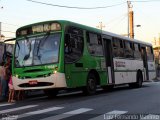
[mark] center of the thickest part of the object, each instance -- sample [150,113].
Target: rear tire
[139,82]
[90,88]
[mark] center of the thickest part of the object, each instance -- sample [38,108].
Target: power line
[74,7]
[10,24]
[7,31]
[117,18]
[119,22]
[147,1]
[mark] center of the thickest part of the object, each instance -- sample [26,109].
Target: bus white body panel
[151,70]
[109,75]
[58,80]
[126,70]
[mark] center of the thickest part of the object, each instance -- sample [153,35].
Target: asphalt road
[121,103]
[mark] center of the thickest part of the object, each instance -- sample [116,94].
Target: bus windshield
[37,50]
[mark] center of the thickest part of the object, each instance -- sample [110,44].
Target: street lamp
[129,33]
[137,25]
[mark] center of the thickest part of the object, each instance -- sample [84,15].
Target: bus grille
[39,84]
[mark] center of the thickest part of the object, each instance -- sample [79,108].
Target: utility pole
[100,26]
[130,20]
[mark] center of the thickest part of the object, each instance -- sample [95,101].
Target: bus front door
[109,59]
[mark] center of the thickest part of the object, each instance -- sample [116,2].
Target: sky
[17,13]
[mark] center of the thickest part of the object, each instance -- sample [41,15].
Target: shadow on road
[72,96]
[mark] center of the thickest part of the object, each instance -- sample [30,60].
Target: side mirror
[26,57]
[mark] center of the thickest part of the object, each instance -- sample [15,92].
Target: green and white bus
[55,55]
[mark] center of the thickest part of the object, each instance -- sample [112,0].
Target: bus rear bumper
[56,80]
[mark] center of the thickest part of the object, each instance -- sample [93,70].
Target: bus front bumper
[56,80]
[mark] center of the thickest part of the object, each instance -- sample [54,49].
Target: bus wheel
[90,88]
[139,82]
[51,93]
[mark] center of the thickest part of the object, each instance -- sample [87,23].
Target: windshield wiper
[28,55]
[37,45]
[47,35]
[17,44]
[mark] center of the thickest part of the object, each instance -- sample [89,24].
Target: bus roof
[65,22]
[126,38]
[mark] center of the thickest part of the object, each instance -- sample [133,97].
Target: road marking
[18,108]
[150,117]
[39,112]
[68,114]
[109,115]
[6,104]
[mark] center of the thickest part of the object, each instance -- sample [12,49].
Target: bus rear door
[109,58]
[145,63]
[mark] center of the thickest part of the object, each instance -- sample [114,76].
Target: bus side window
[128,49]
[73,45]
[149,53]
[94,44]
[67,44]
[137,52]
[117,47]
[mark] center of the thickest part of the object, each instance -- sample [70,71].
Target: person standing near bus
[0,80]
[4,82]
[8,72]
[11,91]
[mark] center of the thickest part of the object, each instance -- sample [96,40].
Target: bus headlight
[55,71]
[17,76]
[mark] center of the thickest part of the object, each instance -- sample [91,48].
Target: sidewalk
[157,79]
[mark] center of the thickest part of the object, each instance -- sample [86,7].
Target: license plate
[33,82]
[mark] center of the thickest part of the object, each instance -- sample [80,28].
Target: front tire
[90,88]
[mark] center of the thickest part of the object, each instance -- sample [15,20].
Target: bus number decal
[120,64]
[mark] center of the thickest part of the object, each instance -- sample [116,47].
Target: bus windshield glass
[37,50]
